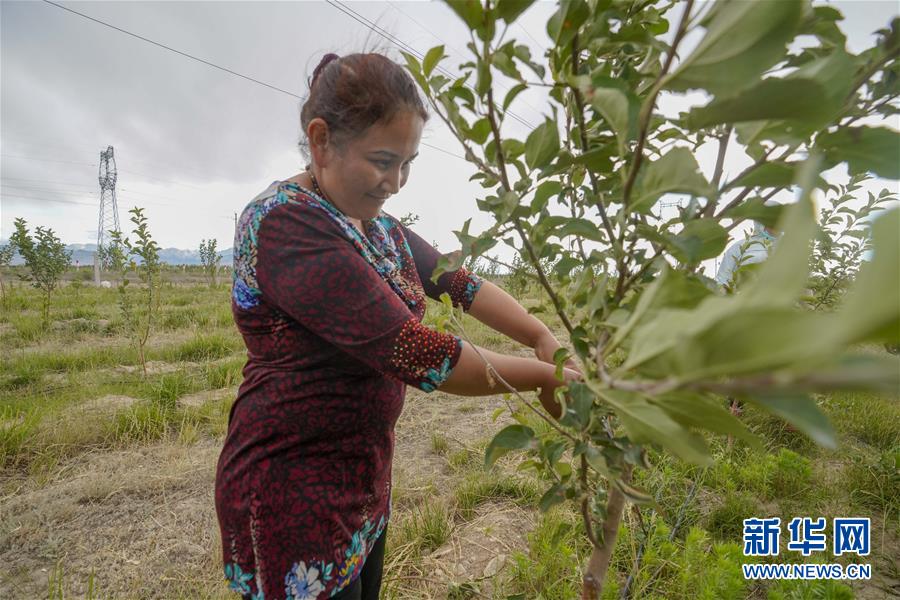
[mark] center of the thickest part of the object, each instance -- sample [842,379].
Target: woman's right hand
[546,393]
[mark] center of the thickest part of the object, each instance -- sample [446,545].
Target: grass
[557,549]
[482,487]
[51,378]
[439,443]
[865,417]
[205,347]
[425,528]
[874,482]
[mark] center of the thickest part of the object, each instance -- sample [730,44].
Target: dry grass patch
[142,520]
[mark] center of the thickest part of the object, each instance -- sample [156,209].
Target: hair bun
[322,64]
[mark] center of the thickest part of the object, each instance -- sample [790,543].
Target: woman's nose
[393,180]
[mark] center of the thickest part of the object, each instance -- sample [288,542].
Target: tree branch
[650,103]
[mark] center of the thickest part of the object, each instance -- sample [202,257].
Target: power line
[44,182]
[4,195]
[71,146]
[71,162]
[206,62]
[404,46]
[79,193]
[528,33]
[170,49]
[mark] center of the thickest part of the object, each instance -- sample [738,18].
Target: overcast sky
[194,144]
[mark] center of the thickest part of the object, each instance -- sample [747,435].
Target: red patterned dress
[332,324]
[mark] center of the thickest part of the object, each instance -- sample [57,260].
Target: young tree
[7,252]
[657,343]
[209,258]
[843,240]
[45,257]
[138,316]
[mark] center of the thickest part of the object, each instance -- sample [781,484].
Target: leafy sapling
[138,316]
[45,257]
[210,259]
[658,345]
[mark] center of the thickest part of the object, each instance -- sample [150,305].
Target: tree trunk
[598,564]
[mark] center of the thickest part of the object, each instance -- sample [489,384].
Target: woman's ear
[320,142]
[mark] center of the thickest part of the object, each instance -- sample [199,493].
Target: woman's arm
[469,376]
[500,311]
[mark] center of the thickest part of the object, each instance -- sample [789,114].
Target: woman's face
[359,175]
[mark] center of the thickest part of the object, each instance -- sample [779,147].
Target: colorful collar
[377,246]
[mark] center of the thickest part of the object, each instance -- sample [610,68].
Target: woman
[328,294]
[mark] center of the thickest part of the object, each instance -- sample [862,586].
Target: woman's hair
[354,92]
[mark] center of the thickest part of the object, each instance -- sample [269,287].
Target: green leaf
[432,58]
[447,263]
[564,266]
[580,227]
[633,494]
[564,23]
[864,149]
[480,130]
[543,193]
[503,62]
[700,239]
[865,372]
[542,145]
[742,40]
[509,10]
[470,11]
[669,290]
[551,498]
[646,422]
[834,73]
[484,78]
[676,172]
[705,412]
[512,93]
[415,68]
[618,106]
[523,53]
[596,459]
[769,99]
[511,437]
[578,408]
[768,175]
[801,412]
[757,210]
[783,276]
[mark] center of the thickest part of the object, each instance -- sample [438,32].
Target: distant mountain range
[83,254]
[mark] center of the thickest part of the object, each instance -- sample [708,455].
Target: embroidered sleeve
[424,357]
[308,270]
[461,285]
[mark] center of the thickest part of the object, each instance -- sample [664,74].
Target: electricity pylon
[109,211]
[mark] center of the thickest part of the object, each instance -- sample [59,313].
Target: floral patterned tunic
[332,324]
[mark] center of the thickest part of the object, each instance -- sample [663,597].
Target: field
[106,475]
